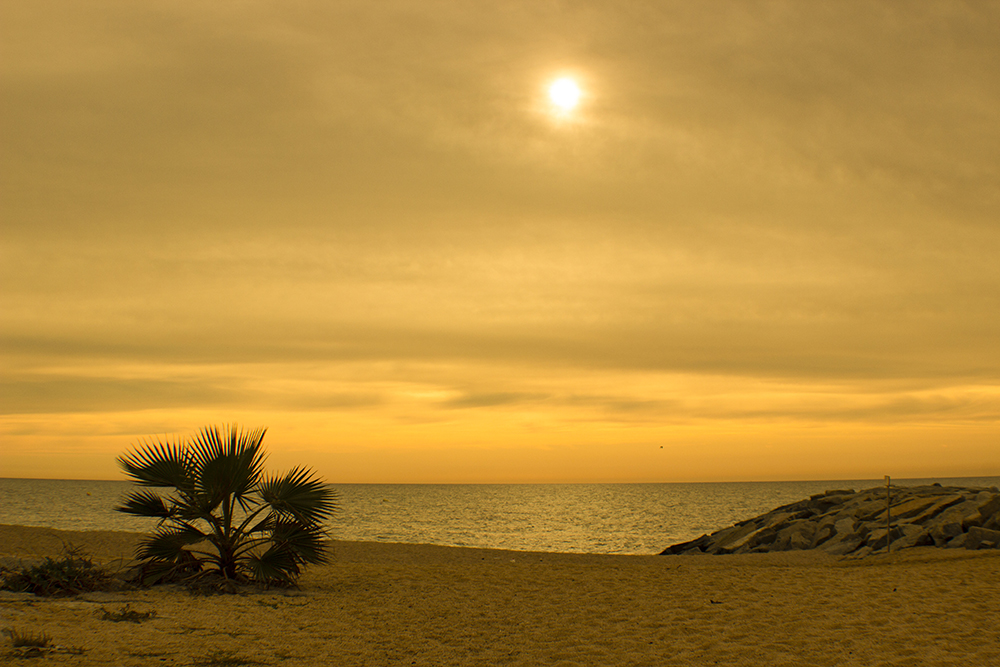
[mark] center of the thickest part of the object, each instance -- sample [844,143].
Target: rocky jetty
[854,523]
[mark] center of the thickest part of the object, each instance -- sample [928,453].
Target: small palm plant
[224,514]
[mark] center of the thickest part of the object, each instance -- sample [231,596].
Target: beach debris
[849,523]
[126,613]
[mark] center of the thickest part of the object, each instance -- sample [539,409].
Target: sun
[564,93]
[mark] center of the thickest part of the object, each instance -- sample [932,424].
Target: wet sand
[397,604]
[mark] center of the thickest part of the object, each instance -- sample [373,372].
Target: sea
[569,518]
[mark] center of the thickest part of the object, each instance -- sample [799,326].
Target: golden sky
[764,245]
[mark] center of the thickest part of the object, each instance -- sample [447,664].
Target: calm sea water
[587,518]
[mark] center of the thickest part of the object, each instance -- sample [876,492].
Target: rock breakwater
[845,522]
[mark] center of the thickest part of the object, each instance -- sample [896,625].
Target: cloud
[487,400]
[321,110]
[33,395]
[777,192]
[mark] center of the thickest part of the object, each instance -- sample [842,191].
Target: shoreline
[410,604]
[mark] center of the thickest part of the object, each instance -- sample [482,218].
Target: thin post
[888,519]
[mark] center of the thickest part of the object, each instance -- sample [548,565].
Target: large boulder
[982,538]
[944,532]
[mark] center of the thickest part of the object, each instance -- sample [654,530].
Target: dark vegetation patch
[27,639]
[30,644]
[73,574]
[224,516]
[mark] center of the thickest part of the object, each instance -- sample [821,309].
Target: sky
[762,246]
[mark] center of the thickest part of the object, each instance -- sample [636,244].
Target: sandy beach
[398,604]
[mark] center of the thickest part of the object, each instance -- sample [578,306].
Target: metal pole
[888,520]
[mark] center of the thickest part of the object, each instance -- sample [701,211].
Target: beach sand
[398,604]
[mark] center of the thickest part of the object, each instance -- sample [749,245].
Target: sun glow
[564,93]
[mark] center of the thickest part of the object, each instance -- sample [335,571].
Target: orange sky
[763,246]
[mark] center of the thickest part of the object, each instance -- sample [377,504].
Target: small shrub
[27,639]
[126,614]
[225,515]
[31,645]
[72,575]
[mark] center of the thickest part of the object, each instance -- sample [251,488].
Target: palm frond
[301,495]
[145,503]
[265,524]
[308,543]
[156,571]
[159,464]
[167,544]
[248,503]
[208,444]
[229,465]
[274,566]
[198,506]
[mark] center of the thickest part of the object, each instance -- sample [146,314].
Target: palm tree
[224,514]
